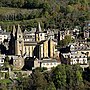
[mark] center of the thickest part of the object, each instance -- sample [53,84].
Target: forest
[62,77]
[59,14]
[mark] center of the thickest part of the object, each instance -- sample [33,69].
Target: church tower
[39,35]
[38,32]
[51,48]
[12,41]
[19,42]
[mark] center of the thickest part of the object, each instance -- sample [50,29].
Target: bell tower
[38,31]
[12,41]
[19,42]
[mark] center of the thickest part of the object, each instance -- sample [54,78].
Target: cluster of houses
[38,48]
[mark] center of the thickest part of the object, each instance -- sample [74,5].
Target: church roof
[31,43]
[41,42]
[49,60]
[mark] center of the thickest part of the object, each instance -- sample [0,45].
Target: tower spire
[19,29]
[39,28]
[14,30]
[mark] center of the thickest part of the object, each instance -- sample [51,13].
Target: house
[49,63]
[86,34]
[62,34]
[2,57]
[4,35]
[76,54]
[76,58]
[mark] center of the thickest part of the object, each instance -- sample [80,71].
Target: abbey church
[34,43]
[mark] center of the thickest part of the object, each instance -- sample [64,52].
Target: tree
[67,39]
[6,63]
[41,69]
[6,59]
[39,82]
[26,83]
[6,75]
[46,6]
[77,77]
[59,77]
[70,9]
[86,78]
[20,3]
[67,77]
[50,84]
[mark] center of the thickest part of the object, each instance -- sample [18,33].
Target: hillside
[51,13]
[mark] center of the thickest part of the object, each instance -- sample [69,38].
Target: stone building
[4,35]
[62,34]
[32,43]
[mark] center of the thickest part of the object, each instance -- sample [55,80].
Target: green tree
[26,83]
[50,84]
[77,77]
[38,79]
[46,6]
[67,77]
[59,77]
[6,75]
[70,9]
[68,39]
[6,63]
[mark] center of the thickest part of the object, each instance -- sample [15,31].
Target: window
[19,41]
[43,63]
[51,63]
[1,60]
[47,63]
[38,38]
[14,60]
[78,60]
[19,36]
[68,56]
[84,60]
[40,34]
